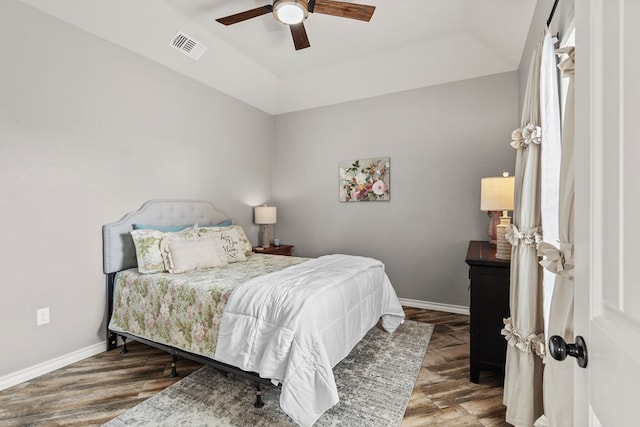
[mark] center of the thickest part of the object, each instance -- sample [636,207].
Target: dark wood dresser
[489,305]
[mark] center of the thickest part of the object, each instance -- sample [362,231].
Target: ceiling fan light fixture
[290,11]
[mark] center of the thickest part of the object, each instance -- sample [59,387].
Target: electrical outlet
[42,316]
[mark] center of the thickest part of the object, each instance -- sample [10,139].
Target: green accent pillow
[225,223]
[148,253]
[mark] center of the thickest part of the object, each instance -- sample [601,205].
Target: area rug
[374,385]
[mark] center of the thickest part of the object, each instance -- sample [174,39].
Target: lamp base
[494,220]
[265,236]
[503,247]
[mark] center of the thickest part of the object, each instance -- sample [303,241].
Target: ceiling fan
[294,12]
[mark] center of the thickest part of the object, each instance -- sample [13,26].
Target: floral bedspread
[184,310]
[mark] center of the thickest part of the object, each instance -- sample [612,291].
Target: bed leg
[124,346]
[259,403]
[174,372]
[112,341]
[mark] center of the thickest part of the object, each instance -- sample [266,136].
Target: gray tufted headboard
[118,251]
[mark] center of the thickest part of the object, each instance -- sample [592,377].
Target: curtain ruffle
[531,237]
[568,65]
[532,343]
[558,261]
[522,137]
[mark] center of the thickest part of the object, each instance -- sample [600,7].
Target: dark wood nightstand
[274,250]
[490,278]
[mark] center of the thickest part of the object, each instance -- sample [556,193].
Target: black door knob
[559,350]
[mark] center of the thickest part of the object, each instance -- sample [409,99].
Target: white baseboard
[448,308]
[32,372]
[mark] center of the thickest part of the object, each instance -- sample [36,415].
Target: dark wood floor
[443,394]
[98,389]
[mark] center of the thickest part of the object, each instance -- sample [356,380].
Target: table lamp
[265,216]
[496,198]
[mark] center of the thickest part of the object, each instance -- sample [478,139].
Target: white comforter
[294,325]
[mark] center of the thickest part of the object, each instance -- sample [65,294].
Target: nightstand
[274,250]
[490,278]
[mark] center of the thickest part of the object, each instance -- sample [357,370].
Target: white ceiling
[407,44]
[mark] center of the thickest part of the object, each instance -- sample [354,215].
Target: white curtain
[524,330]
[558,259]
[549,160]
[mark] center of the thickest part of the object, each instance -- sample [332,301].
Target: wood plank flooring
[98,389]
[443,394]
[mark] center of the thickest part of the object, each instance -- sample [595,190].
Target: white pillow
[182,254]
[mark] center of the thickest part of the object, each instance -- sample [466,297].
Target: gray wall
[89,131]
[441,141]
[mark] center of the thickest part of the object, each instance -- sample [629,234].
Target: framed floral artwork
[364,180]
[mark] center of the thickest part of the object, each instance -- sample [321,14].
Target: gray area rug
[374,383]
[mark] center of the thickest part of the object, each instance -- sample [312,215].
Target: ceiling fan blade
[299,34]
[247,14]
[361,12]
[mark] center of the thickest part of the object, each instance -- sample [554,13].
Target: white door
[607,211]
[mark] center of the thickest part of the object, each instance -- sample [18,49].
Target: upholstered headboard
[118,251]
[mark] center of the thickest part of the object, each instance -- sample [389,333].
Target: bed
[285,320]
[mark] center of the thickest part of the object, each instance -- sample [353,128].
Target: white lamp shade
[496,193]
[265,215]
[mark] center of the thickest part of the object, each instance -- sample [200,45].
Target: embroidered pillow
[147,244]
[231,244]
[182,254]
[242,237]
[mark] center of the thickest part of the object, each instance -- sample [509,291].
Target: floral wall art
[364,180]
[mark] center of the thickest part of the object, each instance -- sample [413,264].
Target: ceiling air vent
[187,45]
